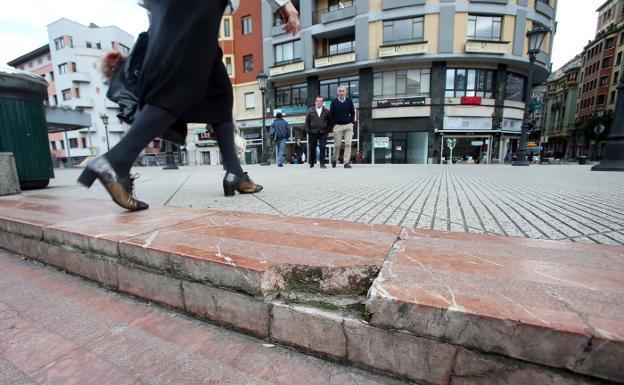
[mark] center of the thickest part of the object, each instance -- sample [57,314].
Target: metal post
[169,160]
[69,161]
[107,141]
[614,150]
[522,156]
[265,136]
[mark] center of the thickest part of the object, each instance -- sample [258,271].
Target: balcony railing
[334,14]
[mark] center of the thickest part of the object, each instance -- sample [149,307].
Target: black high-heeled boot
[243,184]
[121,189]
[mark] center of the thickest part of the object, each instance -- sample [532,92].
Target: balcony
[401,49]
[391,4]
[341,58]
[116,128]
[110,104]
[545,8]
[286,68]
[79,103]
[487,47]
[80,77]
[334,14]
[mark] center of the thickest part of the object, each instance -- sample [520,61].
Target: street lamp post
[169,160]
[614,150]
[262,84]
[105,122]
[536,38]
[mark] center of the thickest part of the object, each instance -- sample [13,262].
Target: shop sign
[477,143]
[471,100]
[251,135]
[286,68]
[325,61]
[295,110]
[381,142]
[401,102]
[476,46]
[403,49]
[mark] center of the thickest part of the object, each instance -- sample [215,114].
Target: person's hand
[291,17]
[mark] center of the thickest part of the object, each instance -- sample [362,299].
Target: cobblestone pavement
[566,202]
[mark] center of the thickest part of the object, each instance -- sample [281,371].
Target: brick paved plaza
[566,202]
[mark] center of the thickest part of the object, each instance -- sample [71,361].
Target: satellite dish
[599,129]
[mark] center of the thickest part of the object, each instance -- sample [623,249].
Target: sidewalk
[56,329]
[564,202]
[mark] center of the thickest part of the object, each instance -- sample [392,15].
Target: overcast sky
[23,23]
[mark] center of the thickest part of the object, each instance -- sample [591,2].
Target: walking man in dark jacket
[317,124]
[342,115]
[280,132]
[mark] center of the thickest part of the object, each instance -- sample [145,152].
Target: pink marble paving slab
[27,214]
[555,303]
[263,253]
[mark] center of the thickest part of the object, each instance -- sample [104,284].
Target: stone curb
[322,333]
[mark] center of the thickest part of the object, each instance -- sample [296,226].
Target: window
[227,28]
[396,31]
[622,34]
[340,45]
[616,78]
[55,100]
[67,94]
[287,52]
[84,142]
[484,27]
[618,59]
[606,62]
[247,27]
[39,60]
[73,66]
[62,68]
[402,83]
[604,81]
[248,63]
[609,43]
[52,76]
[77,93]
[89,45]
[514,87]
[59,43]
[70,41]
[250,100]
[612,97]
[292,95]
[98,45]
[228,65]
[73,142]
[469,82]
[53,145]
[600,100]
[335,5]
[329,87]
[125,50]
[278,19]
[62,144]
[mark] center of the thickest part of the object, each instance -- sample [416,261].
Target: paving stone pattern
[545,202]
[116,340]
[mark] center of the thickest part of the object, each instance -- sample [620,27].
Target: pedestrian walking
[182,79]
[342,116]
[317,124]
[280,132]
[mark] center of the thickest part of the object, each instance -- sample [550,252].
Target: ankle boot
[121,189]
[243,184]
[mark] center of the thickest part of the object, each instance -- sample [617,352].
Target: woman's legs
[225,139]
[151,122]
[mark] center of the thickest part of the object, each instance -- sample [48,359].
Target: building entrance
[466,149]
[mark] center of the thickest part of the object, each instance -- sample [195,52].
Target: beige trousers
[343,131]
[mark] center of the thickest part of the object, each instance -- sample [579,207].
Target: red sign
[471,100]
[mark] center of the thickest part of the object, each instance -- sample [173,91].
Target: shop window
[397,31]
[481,27]
[402,83]
[515,87]
[469,82]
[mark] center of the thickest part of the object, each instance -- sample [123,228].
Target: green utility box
[23,126]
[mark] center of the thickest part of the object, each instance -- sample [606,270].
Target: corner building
[419,72]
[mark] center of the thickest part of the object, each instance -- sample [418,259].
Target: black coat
[315,124]
[183,71]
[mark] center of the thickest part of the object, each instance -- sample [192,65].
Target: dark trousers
[321,139]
